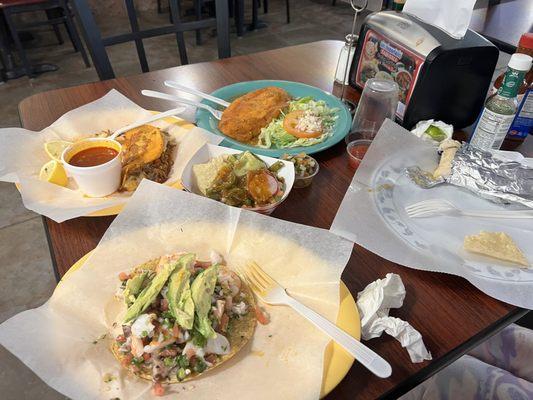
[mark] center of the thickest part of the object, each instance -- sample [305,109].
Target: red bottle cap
[526,40]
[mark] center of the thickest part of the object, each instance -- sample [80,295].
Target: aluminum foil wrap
[491,177]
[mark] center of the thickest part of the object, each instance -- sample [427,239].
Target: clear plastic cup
[379,101]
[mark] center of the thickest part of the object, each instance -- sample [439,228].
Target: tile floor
[23,248]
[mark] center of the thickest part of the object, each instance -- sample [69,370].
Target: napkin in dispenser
[374,304]
[452,16]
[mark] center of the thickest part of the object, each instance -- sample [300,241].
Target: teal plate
[206,121]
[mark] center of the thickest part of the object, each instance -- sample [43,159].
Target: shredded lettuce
[274,136]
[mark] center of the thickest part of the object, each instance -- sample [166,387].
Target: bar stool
[12,7]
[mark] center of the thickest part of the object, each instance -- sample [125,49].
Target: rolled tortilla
[449,147]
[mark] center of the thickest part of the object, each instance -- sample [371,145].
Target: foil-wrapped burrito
[481,172]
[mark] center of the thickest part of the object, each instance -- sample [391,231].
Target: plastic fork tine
[250,280]
[267,280]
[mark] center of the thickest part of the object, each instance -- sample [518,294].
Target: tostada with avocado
[183,318]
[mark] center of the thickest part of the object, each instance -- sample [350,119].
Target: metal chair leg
[57,32]
[73,33]
[239,17]
[288,11]
[265,6]
[198,11]
[134,24]
[182,48]
[18,43]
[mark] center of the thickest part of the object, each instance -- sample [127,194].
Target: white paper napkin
[374,304]
[452,16]
[22,154]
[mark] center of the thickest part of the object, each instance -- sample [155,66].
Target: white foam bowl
[210,151]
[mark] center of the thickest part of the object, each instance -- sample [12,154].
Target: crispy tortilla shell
[239,332]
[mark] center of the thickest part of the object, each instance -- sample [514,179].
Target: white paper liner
[285,358]
[22,154]
[372,214]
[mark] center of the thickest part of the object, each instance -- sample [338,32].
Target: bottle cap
[526,40]
[520,62]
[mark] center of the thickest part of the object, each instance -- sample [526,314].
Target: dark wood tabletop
[451,314]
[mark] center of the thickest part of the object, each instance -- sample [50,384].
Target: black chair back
[97,44]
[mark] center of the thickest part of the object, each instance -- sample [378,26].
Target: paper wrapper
[284,359]
[373,215]
[22,154]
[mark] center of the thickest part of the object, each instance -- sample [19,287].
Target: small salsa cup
[356,151]
[99,180]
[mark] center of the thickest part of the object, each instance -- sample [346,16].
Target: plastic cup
[356,151]
[100,180]
[301,181]
[379,101]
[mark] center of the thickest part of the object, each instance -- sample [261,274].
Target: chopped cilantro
[144,333]
[169,361]
[198,339]
[167,314]
[183,361]
[200,365]
[137,361]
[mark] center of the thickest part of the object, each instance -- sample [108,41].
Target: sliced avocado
[133,287]
[148,295]
[180,298]
[202,290]
[248,162]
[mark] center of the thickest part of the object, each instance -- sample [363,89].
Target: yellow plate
[115,210]
[337,362]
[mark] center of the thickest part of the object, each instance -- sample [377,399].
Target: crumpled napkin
[374,304]
[422,126]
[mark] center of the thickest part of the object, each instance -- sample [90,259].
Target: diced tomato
[211,358]
[126,361]
[147,356]
[121,338]
[190,354]
[158,389]
[224,322]
[176,331]
[202,264]
[261,316]
[123,276]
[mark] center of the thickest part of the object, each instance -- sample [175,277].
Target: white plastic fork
[428,208]
[165,96]
[271,292]
[147,120]
[196,92]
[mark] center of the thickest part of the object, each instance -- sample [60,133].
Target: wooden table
[451,314]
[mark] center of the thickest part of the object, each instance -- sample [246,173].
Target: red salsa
[357,153]
[93,156]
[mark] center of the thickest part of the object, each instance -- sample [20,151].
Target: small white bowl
[100,180]
[210,151]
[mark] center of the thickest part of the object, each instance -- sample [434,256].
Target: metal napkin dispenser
[439,77]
